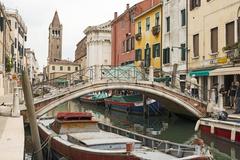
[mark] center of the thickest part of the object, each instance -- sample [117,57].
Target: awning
[200,73]
[225,71]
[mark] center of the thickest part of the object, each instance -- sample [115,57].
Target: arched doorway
[147,57]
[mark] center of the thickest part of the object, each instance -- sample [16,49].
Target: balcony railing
[138,36]
[233,52]
[156,30]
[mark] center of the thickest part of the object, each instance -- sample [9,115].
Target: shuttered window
[138,55]
[214,40]
[196,45]
[168,23]
[230,33]
[194,3]
[1,24]
[183,17]
[183,52]
[156,50]
[238,29]
[166,55]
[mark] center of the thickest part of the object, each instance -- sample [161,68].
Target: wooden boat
[97,99]
[132,104]
[78,136]
[228,130]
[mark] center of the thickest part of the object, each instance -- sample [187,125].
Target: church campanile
[55,40]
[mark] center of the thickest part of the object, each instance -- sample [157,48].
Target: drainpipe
[161,58]
[187,56]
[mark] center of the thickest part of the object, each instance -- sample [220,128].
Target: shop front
[225,76]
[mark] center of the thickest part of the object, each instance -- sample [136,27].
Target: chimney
[115,15]
[127,6]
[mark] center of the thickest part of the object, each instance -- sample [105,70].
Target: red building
[123,32]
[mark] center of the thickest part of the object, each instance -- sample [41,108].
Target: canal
[172,128]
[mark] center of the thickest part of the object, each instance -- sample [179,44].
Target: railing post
[212,102]
[97,73]
[16,109]
[151,72]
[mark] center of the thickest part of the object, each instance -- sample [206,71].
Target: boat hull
[130,108]
[63,149]
[96,102]
[227,130]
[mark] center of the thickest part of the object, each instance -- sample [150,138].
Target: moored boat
[228,129]
[77,136]
[132,104]
[97,99]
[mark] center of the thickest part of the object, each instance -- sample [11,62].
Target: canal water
[172,128]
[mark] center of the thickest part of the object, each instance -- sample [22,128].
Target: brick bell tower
[55,40]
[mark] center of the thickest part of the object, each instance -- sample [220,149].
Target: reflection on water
[162,127]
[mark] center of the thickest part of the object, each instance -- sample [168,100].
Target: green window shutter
[183,52]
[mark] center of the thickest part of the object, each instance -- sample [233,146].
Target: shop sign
[222,60]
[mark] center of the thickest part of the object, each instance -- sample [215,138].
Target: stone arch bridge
[163,87]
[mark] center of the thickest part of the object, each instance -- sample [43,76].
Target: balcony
[233,52]
[156,30]
[138,36]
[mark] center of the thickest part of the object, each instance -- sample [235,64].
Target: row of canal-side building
[201,36]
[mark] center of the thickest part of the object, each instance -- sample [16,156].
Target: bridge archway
[172,102]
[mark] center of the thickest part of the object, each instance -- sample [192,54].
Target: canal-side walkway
[11,131]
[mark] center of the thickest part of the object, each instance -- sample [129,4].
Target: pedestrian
[224,93]
[237,98]
[194,86]
[231,94]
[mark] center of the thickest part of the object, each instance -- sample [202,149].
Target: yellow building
[148,37]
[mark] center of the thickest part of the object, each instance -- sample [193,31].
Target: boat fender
[197,125]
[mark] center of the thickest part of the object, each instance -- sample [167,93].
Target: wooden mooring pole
[145,107]
[32,117]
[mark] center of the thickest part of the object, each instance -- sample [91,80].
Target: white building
[32,66]
[99,44]
[174,36]
[19,32]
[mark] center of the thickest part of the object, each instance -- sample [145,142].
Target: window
[69,68]
[53,68]
[1,24]
[15,43]
[230,33]
[132,18]
[147,23]
[194,3]
[214,40]
[61,68]
[139,27]
[76,68]
[196,45]
[183,52]
[138,55]
[157,19]
[238,29]
[156,50]
[132,43]
[183,17]
[168,23]
[166,55]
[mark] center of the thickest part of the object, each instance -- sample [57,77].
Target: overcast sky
[74,15]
